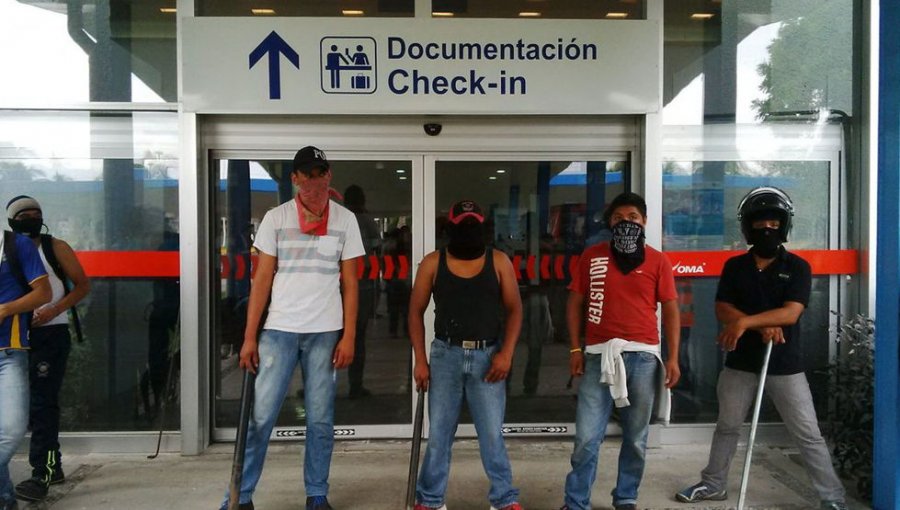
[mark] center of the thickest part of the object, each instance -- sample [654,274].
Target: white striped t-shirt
[306,293]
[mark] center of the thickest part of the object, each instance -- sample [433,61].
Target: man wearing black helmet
[760,299]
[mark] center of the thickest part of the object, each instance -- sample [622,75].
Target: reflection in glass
[542,214]
[700,214]
[75,52]
[748,62]
[577,9]
[108,183]
[376,389]
[359,8]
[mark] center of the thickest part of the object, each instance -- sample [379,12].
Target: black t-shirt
[787,278]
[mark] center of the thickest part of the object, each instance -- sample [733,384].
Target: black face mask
[466,239]
[627,245]
[30,227]
[765,241]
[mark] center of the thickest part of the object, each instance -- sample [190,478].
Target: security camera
[432,128]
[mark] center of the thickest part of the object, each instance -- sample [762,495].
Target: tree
[810,62]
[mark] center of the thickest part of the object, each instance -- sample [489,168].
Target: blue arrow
[274,45]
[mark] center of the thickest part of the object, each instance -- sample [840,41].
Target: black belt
[467,343]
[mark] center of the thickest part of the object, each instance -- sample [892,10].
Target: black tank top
[467,308]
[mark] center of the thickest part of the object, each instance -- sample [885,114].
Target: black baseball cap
[310,157]
[465,209]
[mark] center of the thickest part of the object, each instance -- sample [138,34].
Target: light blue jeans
[13,413]
[279,353]
[458,373]
[595,405]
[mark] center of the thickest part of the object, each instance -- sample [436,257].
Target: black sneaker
[317,503]
[32,489]
[57,476]
[626,506]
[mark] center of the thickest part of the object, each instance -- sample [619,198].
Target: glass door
[542,212]
[700,215]
[374,395]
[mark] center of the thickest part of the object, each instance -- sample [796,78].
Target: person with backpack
[50,344]
[23,287]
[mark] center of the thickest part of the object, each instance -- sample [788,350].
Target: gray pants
[790,394]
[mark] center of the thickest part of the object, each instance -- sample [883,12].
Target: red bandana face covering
[312,205]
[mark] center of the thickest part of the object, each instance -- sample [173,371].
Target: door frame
[524,138]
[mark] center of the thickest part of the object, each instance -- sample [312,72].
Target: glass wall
[700,214]
[376,389]
[754,92]
[92,50]
[108,185]
[350,8]
[575,9]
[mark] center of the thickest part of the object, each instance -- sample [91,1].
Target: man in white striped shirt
[307,264]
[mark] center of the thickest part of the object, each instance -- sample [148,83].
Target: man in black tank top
[474,288]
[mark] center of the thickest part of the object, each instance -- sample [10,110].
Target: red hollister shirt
[620,305]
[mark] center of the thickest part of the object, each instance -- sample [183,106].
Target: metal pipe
[759,394]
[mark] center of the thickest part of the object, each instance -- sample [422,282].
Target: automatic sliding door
[542,213]
[379,191]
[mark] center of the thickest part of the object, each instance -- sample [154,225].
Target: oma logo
[679,268]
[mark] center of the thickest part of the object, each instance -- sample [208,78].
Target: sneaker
[420,506]
[511,506]
[626,506]
[57,476]
[834,505]
[317,503]
[32,490]
[700,492]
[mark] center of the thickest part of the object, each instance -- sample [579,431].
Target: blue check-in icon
[348,65]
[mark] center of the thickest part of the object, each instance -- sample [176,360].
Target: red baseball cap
[465,209]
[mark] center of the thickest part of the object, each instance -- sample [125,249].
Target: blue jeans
[594,408]
[279,352]
[13,413]
[458,373]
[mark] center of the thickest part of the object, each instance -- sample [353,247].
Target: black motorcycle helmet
[765,201]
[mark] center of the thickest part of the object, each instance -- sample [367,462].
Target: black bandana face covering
[466,239]
[765,241]
[30,227]
[627,245]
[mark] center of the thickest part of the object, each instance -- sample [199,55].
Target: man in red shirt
[614,295]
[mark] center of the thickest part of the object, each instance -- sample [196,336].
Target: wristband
[577,349]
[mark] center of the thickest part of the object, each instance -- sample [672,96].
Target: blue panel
[887,290]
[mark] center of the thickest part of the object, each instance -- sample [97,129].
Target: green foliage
[852,388]
[810,62]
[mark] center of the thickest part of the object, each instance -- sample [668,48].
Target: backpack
[15,266]
[50,255]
